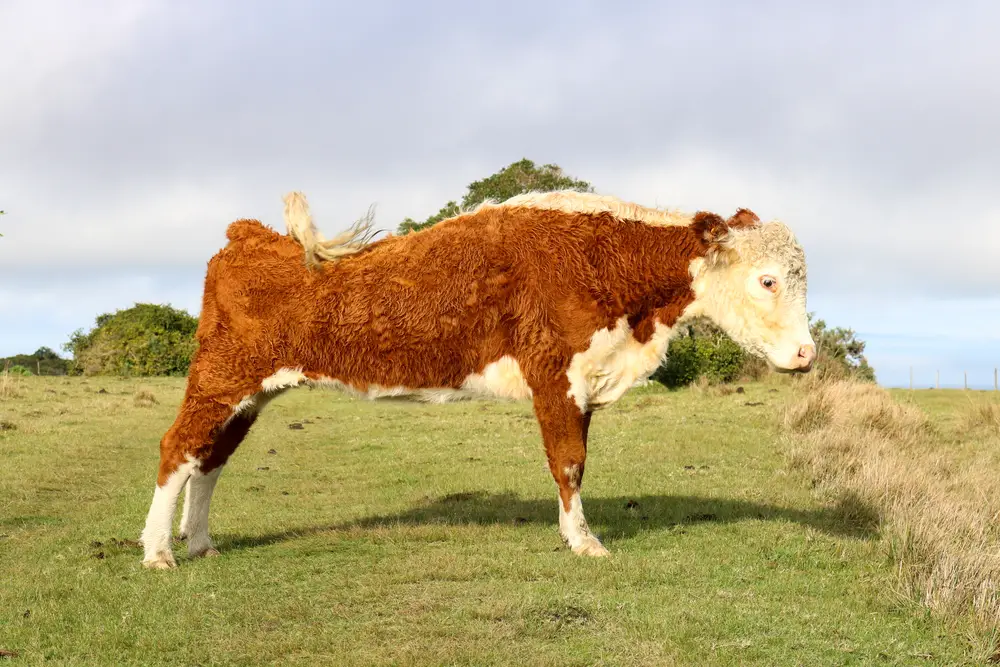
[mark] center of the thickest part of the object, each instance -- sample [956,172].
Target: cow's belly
[598,376]
[500,379]
[613,363]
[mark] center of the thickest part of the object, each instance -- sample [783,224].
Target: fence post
[937,380]
[996,385]
[966,380]
[911,378]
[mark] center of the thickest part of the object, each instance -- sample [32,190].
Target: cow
[564,298]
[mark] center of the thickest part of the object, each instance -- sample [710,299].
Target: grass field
[392,533]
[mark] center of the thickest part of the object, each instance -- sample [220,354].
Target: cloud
[57,54]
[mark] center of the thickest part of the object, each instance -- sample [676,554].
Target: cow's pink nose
[807,355]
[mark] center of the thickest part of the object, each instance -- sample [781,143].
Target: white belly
[500,379]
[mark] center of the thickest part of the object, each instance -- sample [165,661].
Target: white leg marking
[573,476]
[573,528]
[186,513]
[159,522]
[198,498]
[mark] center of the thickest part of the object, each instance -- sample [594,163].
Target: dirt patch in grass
[565,615]
[144,399]
[706,387]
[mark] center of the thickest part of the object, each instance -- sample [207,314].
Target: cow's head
[752,283]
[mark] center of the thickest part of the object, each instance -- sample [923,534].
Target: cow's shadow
[613,519]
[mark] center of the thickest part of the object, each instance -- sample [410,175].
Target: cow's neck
[647,270]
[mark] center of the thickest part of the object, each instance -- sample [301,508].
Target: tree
[514,179]
[147,339]
[2,213]
[840,352]
[44,361]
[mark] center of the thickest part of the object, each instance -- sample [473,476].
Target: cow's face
[752,283]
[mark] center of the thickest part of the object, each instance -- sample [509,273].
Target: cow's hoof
[591,546]
[210,552]
[162,561]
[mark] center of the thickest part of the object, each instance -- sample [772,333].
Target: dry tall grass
[983,415]
[9,385]
[936,495]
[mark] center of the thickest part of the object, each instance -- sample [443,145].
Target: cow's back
[422,310]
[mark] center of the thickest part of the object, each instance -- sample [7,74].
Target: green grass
[391,533]
[944,406]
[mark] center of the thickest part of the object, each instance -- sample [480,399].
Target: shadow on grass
[613,519]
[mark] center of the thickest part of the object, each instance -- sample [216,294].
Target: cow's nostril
[807,353]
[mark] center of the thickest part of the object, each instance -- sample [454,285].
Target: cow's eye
[770,283]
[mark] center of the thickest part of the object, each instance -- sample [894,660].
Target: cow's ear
[743,218]
[710,228]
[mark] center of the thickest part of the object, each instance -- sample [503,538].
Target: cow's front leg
[564,431]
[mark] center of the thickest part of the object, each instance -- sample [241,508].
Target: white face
[755,289]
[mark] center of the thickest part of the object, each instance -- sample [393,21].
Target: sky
[133,131]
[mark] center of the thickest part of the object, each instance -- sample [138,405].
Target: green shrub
[18,370]
[147,339]
[690,357]
[725,360]
[686,361]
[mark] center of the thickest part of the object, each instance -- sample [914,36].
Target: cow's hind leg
[201,485]
[194,449]
[194,521]
[564,431]
[186,514]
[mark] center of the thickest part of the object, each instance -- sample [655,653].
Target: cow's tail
[300,225]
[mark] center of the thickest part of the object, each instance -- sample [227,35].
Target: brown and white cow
[563,298]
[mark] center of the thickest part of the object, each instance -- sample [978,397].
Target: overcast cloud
[133,131]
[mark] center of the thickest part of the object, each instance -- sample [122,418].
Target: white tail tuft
[300,225]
